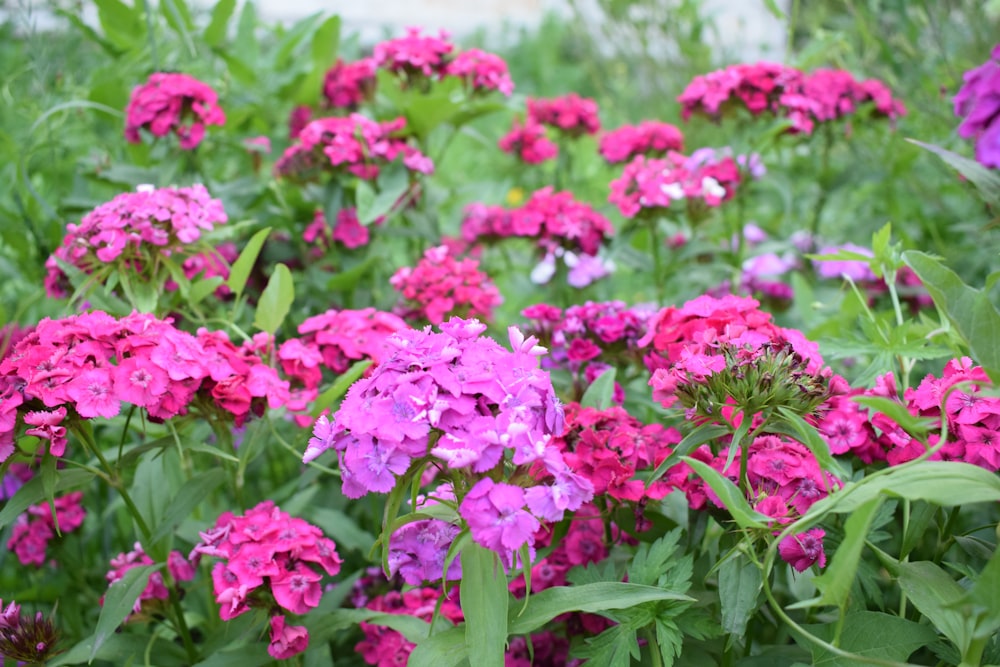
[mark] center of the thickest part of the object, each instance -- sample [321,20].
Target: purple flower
[496,516]
[855,269]
[978,104]
[374,464]
[417,551]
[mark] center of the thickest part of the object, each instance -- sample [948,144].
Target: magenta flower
[651,138]
[347,85]
[414,54]
[286,640]
[481,71]
[570,114]
[496,515]
[528,142]
[440,286]
[978,104]
[174,103]
[804,550]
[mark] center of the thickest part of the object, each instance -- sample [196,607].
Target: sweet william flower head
[24,638]
[172,102]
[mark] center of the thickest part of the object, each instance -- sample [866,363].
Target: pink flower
[286,641]
[481,71]
[528,142]
[347,85]
[571,114]
[650,138]
[174,103]
[497,516]
[804,550]
[94,394]
[440,286]
[414,54]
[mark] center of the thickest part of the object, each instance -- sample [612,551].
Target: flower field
[594,346]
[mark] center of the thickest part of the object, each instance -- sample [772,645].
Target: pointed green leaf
[971,311]
[215,32]
[601,391]
[34,492]
[118,603]
[872,635]
[732,498]
[485,600]
[276,300]
[240,271]
[988,182]
[442,649]
[740,583]
[186,499]
[696,438]
[936,595]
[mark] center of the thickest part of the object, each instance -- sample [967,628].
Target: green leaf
[651,561]
[936,595]
[600,392]
[737,442]
[984,595]
[807,434]
[246,48]
[345,281]
[118,603]
[276,300]
[970,310]
[342,529]
[442,649]
[34,492]
[835,582]
[740,583]
[485,600]
[985,180]
[591,598]
[240,271]
[897,412]
[696,438]
[240,655]
[339,387]
[202,288]
[732,498]
[120,23]
[323,54]
[615,647]
[186,499]
[870,634]
[393,183]
[215,32]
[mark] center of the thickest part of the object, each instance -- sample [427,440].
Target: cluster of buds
[26,639]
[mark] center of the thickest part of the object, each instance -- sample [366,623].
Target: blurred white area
[744,27]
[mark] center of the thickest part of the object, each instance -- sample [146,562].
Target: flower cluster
[651,183]
[418,550]
[594,336]
[783,481]
[570,114]
[26,639]
[527,140]
[804,99]
[33,529]
[347,230]
[267,558]
[91,363]
[481,71]
[211,263]
[441,285]
[649,138]
[133,228]
[978,105]
[156,589]
[347,85]
[607,447]
[353,144]
[174,103]
[973,419]
[553,219]
[415,54]
[385,647]
[468,403]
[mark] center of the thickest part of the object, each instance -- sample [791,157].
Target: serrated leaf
[650,561]
[601,391]
[615,647]
[935,594]
[276,300]
[118,603]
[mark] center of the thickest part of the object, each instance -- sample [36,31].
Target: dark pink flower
[174,103]
[804,550]
[286,640]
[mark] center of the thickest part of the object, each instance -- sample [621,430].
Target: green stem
[654,245]
[150,29]
[654,647]
[824,182]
